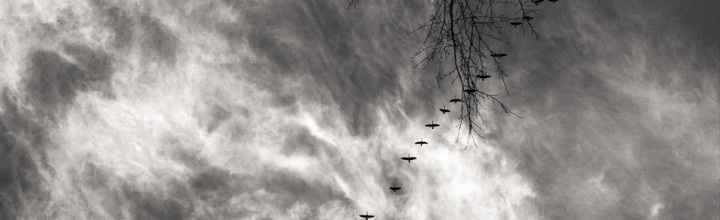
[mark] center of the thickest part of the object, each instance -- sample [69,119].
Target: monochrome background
[301,110]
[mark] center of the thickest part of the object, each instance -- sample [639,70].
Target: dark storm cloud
[590,144]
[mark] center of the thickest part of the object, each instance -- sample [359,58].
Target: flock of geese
[432,124]
[409,158]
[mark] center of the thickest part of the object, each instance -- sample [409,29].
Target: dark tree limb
[466,32]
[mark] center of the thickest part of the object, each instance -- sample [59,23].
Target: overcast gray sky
[302,110]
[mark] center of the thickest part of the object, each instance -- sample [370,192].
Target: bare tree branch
[467,32]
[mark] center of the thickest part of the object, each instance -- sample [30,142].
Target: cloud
[50,85]
[618,118]
[301,110]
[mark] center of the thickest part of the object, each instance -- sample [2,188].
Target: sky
[302,109]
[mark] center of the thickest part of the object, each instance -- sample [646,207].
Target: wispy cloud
[620,113]
[302,110]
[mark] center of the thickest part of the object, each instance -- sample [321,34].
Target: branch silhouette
[466,32]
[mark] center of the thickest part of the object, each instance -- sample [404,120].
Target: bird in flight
[515,23]
[483,77]
[432,125]
[395,188]
[408,158]
[527,18]
[444,110]
[537,1]
[455,100]
[470,90]
[498,55]
[421,142]
[366,216]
